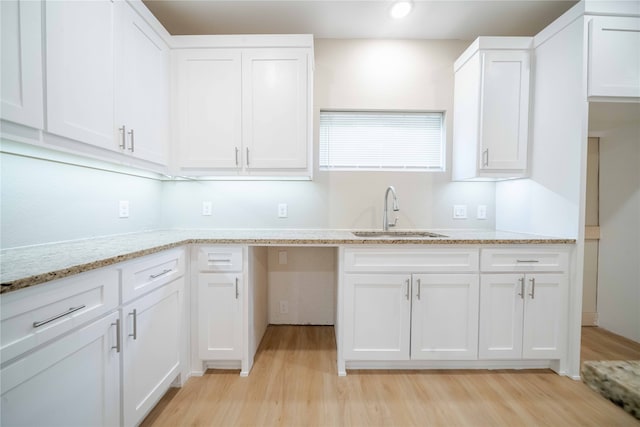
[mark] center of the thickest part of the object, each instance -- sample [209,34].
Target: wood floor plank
[294,382]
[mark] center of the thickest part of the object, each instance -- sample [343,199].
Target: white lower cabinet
[220,316]
[73,381]
[411,317]
[522,316]
[150,349]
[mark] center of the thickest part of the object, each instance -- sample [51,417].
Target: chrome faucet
[385,216]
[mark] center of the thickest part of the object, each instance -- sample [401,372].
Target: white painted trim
[566,19]
[450,364]
[150,19]
[243,41]
[611,8]
[222,364]
[493,43]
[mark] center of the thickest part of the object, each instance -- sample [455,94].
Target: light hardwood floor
[294,382]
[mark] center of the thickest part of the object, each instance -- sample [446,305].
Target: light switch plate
[207,208]
[482,212]
[459,211]
[282,210]
[123,209]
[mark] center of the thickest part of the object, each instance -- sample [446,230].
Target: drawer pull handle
[134,313]
[117,325]
[211,261]
[57,316]
[527,260]
[155,276]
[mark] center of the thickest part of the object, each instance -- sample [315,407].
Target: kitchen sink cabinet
[243,111]
[21,60]
[491,109]
[614,57]
[428,314]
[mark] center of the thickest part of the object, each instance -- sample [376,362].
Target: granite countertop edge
[19,267]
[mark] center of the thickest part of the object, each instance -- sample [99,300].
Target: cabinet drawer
[526,259]
[220,258]
[35,315]
[151,272]
[410,260]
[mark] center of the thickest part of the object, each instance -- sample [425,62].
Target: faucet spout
[396,207]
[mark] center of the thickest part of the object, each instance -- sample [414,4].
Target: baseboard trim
[451,364]
[589,319]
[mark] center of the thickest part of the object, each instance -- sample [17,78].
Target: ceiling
[448,19]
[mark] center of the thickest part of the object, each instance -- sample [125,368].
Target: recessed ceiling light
[400,9]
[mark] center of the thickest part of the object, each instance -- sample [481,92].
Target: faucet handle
[394,223]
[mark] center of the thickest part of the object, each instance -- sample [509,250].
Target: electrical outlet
[207,208]
[282,210]
[123,209]
[482,212]
[459,211]
[284,307]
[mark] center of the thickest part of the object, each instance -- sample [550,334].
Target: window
[382,140]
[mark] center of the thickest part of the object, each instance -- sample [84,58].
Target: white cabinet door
[142,88]
[444,318]
[74,381]
[209,111]
[21,61]
[80,70]
[151,331]
[504,110]
[377,316]
[544,316]
[275,108]
[614,57]
[220,316]
[501,316]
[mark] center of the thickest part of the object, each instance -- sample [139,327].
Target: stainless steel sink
[397,234]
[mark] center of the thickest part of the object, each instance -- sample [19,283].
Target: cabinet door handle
[408,283]
[521,293]
[132,148]
[162,273]
[117,325]
[237,292]
[57,316]
[485,157]
[247,156]
[419,286]
[533,287]
[134,313]
[527,260]
[123,141]
[237,156]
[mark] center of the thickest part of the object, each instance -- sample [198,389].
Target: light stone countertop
[31,265]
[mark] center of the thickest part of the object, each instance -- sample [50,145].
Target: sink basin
[397,234]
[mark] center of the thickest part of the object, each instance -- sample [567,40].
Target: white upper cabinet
[491,109]
[209,109]
[80,70]
[243,111]
[275,111]
[614,57]
[142,89]
[21,58]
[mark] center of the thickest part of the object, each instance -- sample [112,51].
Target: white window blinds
[381,141]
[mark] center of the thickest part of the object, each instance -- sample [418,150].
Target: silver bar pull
[533,287]
[237,156]
[521,293]
[237,293]
[58,316]
[155,276]
[134,313]
[527,260]
[419,289]
[117,325]
[132,148]
[123,143]
[247,156]
[407,294]
[485,157]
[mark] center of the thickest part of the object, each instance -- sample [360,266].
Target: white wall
[351,74]
[43,201]
[618,126]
